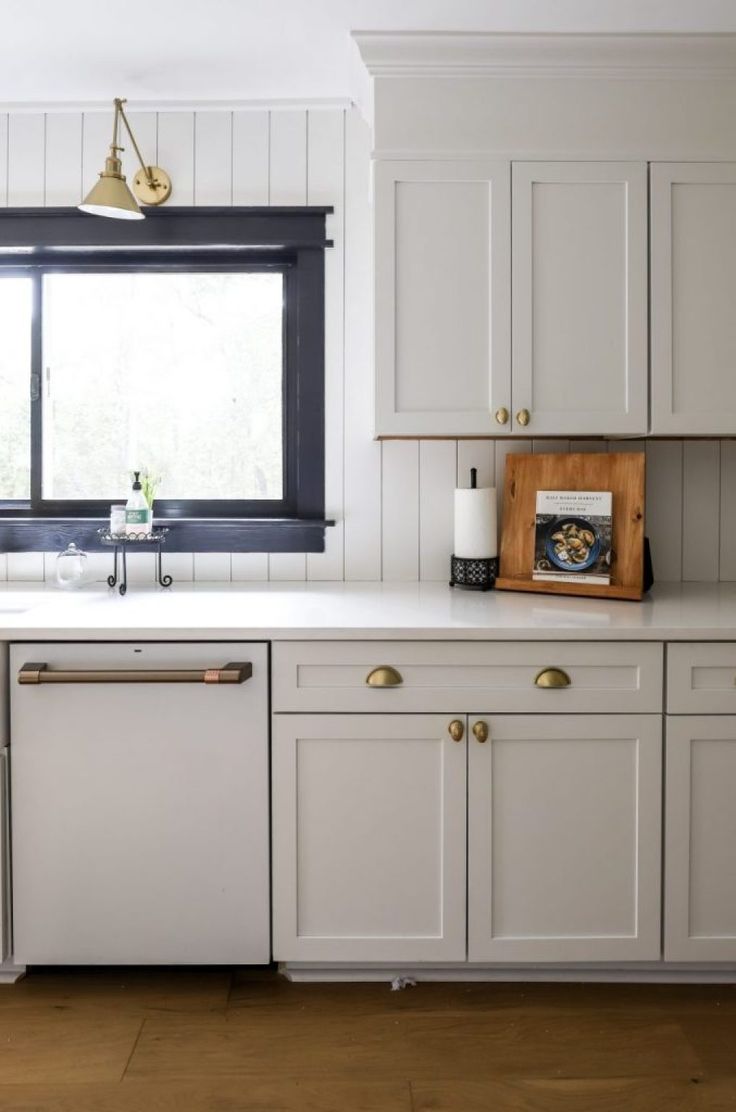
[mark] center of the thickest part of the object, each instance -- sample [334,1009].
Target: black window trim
[287,239]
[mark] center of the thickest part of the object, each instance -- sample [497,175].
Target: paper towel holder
[474,574]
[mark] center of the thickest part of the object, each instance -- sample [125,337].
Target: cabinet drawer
[443,676]
[701,678]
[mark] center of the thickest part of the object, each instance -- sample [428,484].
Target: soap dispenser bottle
[138,520]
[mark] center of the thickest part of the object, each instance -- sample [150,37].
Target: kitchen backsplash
[392,501]
[690,518]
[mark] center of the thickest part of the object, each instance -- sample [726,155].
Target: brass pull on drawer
[552,677]
[384,676]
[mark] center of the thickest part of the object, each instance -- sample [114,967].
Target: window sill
[19,534]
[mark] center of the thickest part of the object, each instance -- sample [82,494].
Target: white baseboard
[10,973]
[641,973]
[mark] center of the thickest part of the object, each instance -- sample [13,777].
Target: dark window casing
[290,240]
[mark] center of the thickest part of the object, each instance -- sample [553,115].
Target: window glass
[176,373]
[15,377]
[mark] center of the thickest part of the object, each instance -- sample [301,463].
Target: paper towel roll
[475,523]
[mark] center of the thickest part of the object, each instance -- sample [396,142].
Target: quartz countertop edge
[359,611]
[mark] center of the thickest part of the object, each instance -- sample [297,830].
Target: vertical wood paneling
[727,565]
[701,510]
[213,158]
[437,476]
[63,184]
[26,158]
[479,454]
[664,508]
[249,566]
[400,509]
[362,459]
[251,137]
[588,446]
[288,157]
[176,154]
[549,447]
[288,186]
[325,186]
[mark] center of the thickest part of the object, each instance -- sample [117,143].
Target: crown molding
[449,54]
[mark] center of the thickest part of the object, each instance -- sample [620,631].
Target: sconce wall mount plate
[152,185]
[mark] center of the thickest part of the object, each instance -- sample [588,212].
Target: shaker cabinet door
[693,262]
[368,838]
[4,856]
[564,838]
[700,827]
[579,296]
[442,297]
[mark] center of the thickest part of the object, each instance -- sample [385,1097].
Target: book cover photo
[572,539]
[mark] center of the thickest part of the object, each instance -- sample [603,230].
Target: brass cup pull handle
[523,417]
[552,677]
[41,673]
[480,729]
[384,676]
[456,730]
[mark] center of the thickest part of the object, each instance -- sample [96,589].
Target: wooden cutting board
[623,473]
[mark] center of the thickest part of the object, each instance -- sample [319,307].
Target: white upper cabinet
[693,322]
[442,297]
[579,296]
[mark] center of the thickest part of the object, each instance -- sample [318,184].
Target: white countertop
[292,611]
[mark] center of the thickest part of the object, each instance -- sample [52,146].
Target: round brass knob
[456,730]
[502,415]
[523,417]
[480,729]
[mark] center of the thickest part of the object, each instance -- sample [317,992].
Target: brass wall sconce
[111,196]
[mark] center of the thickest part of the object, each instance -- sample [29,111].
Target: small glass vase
[71,567]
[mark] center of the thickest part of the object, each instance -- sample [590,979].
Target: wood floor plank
[270,1096]
[65,1044]
[411,1046]
[552,1095]
[377,998]
[124,989]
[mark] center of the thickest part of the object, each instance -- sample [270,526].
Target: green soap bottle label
[137,517]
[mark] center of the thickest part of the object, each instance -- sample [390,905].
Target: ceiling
[236,50]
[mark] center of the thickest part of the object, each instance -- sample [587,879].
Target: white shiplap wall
[392,501]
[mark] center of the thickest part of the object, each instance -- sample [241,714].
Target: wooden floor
[211,1041]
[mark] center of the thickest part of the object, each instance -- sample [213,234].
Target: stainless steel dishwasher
[139,803]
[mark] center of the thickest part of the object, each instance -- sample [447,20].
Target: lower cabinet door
[369,837]
[564,850]
[700,836]
[4,856]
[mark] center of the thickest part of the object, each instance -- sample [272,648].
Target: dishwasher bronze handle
[231,673]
